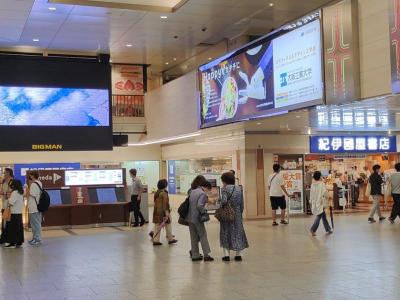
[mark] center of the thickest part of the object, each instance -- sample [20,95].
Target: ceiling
[140,36]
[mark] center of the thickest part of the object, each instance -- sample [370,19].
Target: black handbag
[204,217]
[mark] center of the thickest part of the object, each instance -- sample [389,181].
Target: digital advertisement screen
[270,77]
[55,103]
[94,177]
[33,106]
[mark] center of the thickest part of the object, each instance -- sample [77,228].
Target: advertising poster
[292,172]
[171,177]
[297,69]
[127,80]
[239,86]
[268,77]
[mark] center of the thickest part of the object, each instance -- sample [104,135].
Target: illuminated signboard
[94,177]
[352,144]
[264,78]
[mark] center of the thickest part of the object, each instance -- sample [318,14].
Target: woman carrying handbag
[232,234]
[196,217]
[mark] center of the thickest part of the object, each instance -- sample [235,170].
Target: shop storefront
[182,172]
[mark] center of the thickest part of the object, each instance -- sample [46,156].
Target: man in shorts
[277,192]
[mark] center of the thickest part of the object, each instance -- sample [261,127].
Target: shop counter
[86,215]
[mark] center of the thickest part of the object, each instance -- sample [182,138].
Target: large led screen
[31,106]
[55,103]
[272,76]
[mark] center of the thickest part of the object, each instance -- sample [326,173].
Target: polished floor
[359,261]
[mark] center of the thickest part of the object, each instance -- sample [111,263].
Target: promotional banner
[127,80]
[292,172]
[171,177]
[352,144]
[263,79]
[20,170]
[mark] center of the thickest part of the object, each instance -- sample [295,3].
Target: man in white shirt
[277,192]
[35,217]
[136,197]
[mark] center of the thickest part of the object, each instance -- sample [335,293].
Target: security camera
[204,29]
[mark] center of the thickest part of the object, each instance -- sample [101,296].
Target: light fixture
[298,117]
[174,58]
[164,17]
[128,45]
[35,40]
[167,63]
[271,4]
[259,123]
[175,138]
[210,58]
[51,8]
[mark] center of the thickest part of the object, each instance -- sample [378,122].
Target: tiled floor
[359,261]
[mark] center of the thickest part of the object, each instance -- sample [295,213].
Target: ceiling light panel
[141,5]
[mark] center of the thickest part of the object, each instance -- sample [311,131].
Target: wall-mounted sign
[127,80]
[352,144]
[20,170]
[94,177]
[52,179]
[265,78]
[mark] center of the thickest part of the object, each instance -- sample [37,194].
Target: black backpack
[44,200]
[183,209]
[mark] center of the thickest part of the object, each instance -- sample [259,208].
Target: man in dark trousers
[136,196]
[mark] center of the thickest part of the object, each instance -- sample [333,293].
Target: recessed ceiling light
[271,4]
[52,8]
[210,58]
[167,63]
[35,40]
[258,123]
[164,17]
[128,45]
[174,58]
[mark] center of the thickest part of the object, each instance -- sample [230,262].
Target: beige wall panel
[119,154]
[374,48]
[171,110]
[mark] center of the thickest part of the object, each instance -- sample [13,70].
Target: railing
[128,106]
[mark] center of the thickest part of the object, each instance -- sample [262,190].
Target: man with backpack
[35,216]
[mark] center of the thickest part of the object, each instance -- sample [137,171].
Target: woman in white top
[15,229]
[319,200]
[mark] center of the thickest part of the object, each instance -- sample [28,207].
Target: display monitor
[46,106]
[268,77]
[54,103]
[94,177]
[55,197]
[106,195]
